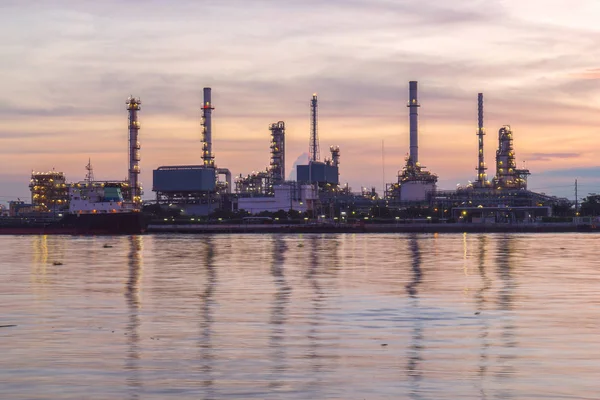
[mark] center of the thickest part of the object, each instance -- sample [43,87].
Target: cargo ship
[94,209]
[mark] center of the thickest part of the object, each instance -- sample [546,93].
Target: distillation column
[335,155]
[413,105]
[133,106]
[314,135]
[481,176]
[277,167]
[207,155]
[505,159]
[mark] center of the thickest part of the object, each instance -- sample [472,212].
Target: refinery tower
[414,183]
[197,189]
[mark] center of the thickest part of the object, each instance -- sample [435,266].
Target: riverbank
[373,228]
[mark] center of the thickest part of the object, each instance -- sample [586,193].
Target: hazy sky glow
[66,68]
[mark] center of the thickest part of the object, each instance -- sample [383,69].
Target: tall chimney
[207,155]
[413,104]
[481,178]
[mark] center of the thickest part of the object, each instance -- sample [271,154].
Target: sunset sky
[67,67]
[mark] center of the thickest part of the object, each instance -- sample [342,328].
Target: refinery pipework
[133,106]
[508,176]
[277,167]
[335,155]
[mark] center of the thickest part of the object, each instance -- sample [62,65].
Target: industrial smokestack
[413,104]
[207,155]
[481,178]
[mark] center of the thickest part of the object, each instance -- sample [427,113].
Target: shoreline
[375,228]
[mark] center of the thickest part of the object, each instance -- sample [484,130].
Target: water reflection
[278,318]
[417,274]
[415,349]
[132,298]
[315,319]
[507,356]
[267,324]
[480,302]
[207,353]
[45,252]
[40,258]
[40,249]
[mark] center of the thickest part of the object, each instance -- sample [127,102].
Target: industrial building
[262,183]
[287,196]
[49,191]
[324,174]
[196,189]
[268,191]
[200,189]
[414,183]
[320,173]
[503,199]
[508,176]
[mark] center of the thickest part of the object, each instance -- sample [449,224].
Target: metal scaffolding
[481,180]
[508,176]
[135,193]
[277,165]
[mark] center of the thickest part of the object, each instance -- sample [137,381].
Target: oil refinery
[204,188]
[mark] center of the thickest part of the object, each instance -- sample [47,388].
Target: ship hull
[105,224]
[81,224]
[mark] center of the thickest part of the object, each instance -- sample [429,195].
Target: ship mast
[89,177]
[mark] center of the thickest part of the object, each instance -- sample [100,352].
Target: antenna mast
[314,134]
[89,177]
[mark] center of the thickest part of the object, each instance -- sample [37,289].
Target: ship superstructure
[94,197]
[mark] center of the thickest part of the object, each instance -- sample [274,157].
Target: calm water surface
[478,316]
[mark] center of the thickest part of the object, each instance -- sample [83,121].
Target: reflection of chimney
[207,108]
[413,104]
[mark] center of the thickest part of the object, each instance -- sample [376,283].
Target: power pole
[382,171]
[576,199]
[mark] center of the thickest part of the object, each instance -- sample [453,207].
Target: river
[330,316]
